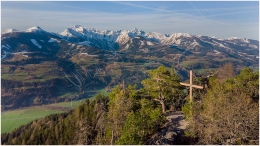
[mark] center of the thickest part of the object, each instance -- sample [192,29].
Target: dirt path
[173,128]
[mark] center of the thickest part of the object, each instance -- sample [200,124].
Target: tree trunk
[163,106]
[162,103]
[112,138]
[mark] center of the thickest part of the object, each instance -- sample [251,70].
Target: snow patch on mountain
[36,43]
[109,35]
[69,33]
[171,40]
[34,29]
[135,32]
[216,52]
[86,43]
[208,42]
[4,55]
[253,46]
[249,58]
[22,52]
[82,32]
[127,46]
[240,39]
[178,42]
[149,43]
[142,43]
[246,40]
[232,38]
[88,54]
[177,35]
[52,40]
[9,31]
[155,35]
[3,46]
[123,38]
[193,44]
[221,45]
[176,38]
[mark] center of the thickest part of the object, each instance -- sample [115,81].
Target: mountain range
[36,62]
[108,39]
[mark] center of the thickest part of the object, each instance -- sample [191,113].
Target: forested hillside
[225,112]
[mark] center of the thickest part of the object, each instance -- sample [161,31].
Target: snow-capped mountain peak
[80,31]
[135,30]
[34,29]
[240,39]
[78,28]
[73,32]
[233,38]
[107,38]
[9,31]
[181,35]
[93,30]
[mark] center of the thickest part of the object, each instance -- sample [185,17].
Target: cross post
[191,85]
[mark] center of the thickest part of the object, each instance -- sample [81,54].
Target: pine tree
[162,85]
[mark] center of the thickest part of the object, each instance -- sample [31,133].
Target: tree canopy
[229,112]
[163,85]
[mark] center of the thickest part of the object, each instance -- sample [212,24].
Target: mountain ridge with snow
[127,40]
[134,32]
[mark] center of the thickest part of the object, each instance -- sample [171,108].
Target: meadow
[13,119]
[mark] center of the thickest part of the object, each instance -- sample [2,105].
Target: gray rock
[170,135]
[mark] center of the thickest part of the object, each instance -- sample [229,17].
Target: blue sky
[219,18]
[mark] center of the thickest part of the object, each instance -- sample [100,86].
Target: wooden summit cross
[191,85]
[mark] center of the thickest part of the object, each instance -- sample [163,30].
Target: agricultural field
[29,73]
[15,118]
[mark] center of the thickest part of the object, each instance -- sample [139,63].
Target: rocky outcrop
[173,128]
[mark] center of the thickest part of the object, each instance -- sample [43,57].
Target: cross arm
[184,84]
[195,86]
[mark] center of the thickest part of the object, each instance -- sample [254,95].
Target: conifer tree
[162,85]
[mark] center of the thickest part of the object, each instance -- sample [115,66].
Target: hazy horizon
[219,19]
